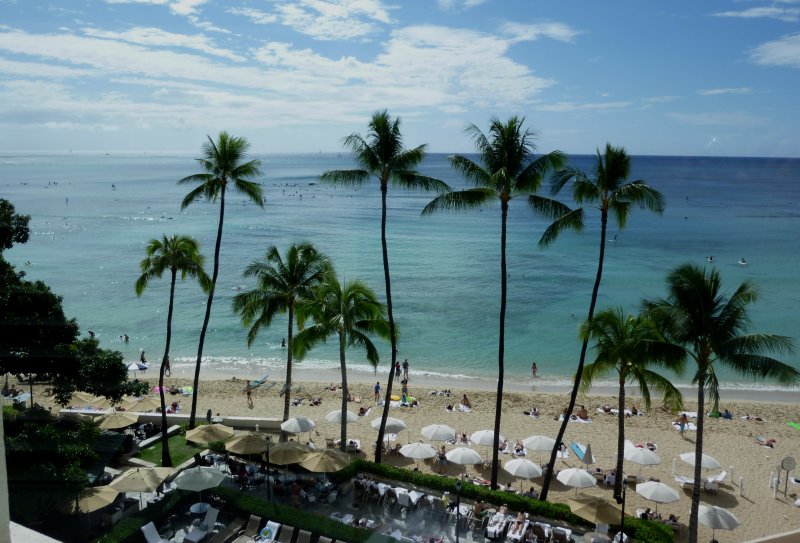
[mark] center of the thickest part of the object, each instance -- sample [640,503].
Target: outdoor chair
[151,534]
[323,539]
[253,525]
[562,535]
[286,534]
[303,536]
[204,528]
[227,533]
[541,531]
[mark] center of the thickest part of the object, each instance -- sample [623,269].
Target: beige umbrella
[595,509]
[141,479]
[94,498]
[101,402]
[145,404]
[249,443]
[209,432]
[289,452]
[326,461]
[80,399]
[115,421]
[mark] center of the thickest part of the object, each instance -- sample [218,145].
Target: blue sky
[664,78]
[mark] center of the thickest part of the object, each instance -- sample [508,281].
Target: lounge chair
[496,526]
[323,539]
[226,533]
[562,535]
[253,525]
[204,528]
[303,536]
[151,534]
[542,531]
[286,534]
[513,535]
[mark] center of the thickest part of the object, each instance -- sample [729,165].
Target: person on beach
[378,392]
[683,421]
[142,359]
[249,391]
[465,402]
[405,369]
[397,369]
[283,342]
[442,459]
[534,370]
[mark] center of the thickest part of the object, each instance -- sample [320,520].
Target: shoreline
[429,382]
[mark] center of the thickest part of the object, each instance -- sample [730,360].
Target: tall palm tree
[629,347]
[174,254]
[383,155]
[610,191]
[352,313]
[711,328]
[223,164]
[508,169]
[282,284]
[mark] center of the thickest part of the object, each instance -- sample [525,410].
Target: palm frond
[472,172]
[413,180]
[345,177]
[571,220]
[460,200]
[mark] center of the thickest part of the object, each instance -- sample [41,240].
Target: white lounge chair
[204,528]
[151,534]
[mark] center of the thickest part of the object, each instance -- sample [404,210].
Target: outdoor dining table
[382,487]
[287,478]
[198,508]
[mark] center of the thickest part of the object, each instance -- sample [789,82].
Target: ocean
[92,215]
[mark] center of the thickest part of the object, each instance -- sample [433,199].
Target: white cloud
[157,37]
[186,7]
[255,15]
[790,15]
[449,5]
[733,118]
[564,107]
[38,69]
[782,52]
[715,92]
[334,19]
[154,2]
[531,32]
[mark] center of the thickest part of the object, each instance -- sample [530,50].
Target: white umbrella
[336,416]
[418,451]
[657,492]
[463,456]
[484,438]
[716,518]
[641,456]
[523,468]
[576,477]
[393,425]
[706,461]
[588,457]
[199,478]
[298,425]
[539,443]
[438,432]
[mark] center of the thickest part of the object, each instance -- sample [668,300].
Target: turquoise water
[89,236]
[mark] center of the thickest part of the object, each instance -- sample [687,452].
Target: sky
[717,78]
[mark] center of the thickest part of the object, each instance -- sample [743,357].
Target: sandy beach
[731,442]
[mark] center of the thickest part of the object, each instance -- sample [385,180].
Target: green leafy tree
[630,347]
[507,169]
[711,328]
[608,189]
[382,155]
[13,227]
[282,284]
[223,164]
[350,312]
[175,254]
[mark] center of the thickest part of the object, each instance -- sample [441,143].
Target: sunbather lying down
[761,440]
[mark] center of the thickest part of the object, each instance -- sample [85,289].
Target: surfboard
[795,425]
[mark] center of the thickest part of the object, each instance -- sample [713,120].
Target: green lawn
[179,449]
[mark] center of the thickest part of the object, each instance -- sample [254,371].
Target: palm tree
[629,346]
[222,163]
[508,169]
[383,155]
[711,328]
[282,284]
[609,190]
[352,313]
[175,254]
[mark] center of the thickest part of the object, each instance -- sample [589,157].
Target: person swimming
[742,262]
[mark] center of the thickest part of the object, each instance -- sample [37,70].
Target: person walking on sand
[682,422]
[534,370]
[377,392]
[405,369]
[249,391]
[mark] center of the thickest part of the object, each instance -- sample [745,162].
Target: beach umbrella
[288,452]
[94,498]
[576,477]
[484,438]
[438,432]
[716,518]
[588,457]
[298,425]
[199,478]
[418,451]
[209,432]
[595,509]
[249,443]
[523,468]
[393,425]
[336,416]
[101,402]
[539,443]
[706,461]
[326,461]
[137,366]
[463,456]
[141,479]
[145,404]
[80,398]
[657,492]
[115,421]
[641,456]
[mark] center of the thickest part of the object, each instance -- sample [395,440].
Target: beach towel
[574,418]
[187,391]
[689,426]
[463,408]
[258,382]
[795,425]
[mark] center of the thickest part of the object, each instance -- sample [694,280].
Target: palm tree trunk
[501,346]
[392,335]
[579,372]
[208,309]
[287,399]
[698,456]
[620,437]
[166,459]
[345,393]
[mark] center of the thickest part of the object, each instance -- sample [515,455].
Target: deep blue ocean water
[93,215]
